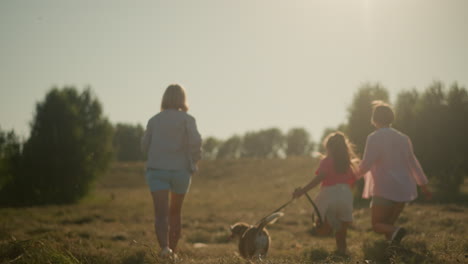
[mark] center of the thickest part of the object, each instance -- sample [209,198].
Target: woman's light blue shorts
[177,181]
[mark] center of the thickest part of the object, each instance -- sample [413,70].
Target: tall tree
[230,149]
[457,139]
[268,143]
[211,147]
[69,146]
[405,111]
[10,157]
[298,142]
[440,138]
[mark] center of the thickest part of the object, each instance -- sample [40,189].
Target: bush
[126,142]
[69,146]
[436,122]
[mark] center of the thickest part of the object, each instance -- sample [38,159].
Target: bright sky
[246,64]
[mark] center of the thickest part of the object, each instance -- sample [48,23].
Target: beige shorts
[335,204]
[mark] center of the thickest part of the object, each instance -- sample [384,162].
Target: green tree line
[267,143]
[436,119]
[71,142]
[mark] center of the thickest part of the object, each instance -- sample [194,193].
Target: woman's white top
[391,169]
[170,137]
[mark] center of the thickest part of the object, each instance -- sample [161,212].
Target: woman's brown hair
[382,113]
[342,151]
[174,98]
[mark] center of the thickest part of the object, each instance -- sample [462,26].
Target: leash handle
[315,208]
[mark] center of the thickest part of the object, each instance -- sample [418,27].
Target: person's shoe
[398,236]
[175,258]
[165,253]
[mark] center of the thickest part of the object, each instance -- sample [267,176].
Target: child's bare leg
[340,237]
[324,229]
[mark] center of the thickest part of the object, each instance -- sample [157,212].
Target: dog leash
[275,211]
[315,208]
[290,201]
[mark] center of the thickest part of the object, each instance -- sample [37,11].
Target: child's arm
[314,182]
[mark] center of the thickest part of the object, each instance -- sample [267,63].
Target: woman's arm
[194,139]
[427,193]
[416,169]
[418,173]
[314,182]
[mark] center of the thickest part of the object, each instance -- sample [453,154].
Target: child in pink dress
[335,199]
[391,172]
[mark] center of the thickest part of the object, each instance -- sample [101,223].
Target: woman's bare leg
[161,208]
[175,216]
[381,215]
[396,211]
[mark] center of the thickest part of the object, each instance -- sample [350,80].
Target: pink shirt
[331,176]
[391,169]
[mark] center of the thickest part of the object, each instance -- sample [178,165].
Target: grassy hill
[115,223]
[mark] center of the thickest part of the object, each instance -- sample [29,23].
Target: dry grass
[115,223]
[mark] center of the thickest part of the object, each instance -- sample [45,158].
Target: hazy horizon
[246,65]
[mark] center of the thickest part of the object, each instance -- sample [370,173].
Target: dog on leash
[254,241]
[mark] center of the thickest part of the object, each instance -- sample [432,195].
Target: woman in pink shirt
[335,199]
[391,172]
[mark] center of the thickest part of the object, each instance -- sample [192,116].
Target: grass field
[115,223]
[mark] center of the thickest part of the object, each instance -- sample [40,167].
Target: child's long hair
[342,151]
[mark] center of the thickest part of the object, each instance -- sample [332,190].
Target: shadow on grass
[381,252]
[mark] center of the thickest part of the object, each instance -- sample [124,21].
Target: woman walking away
[393,174]
[336,172]
[173,147]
